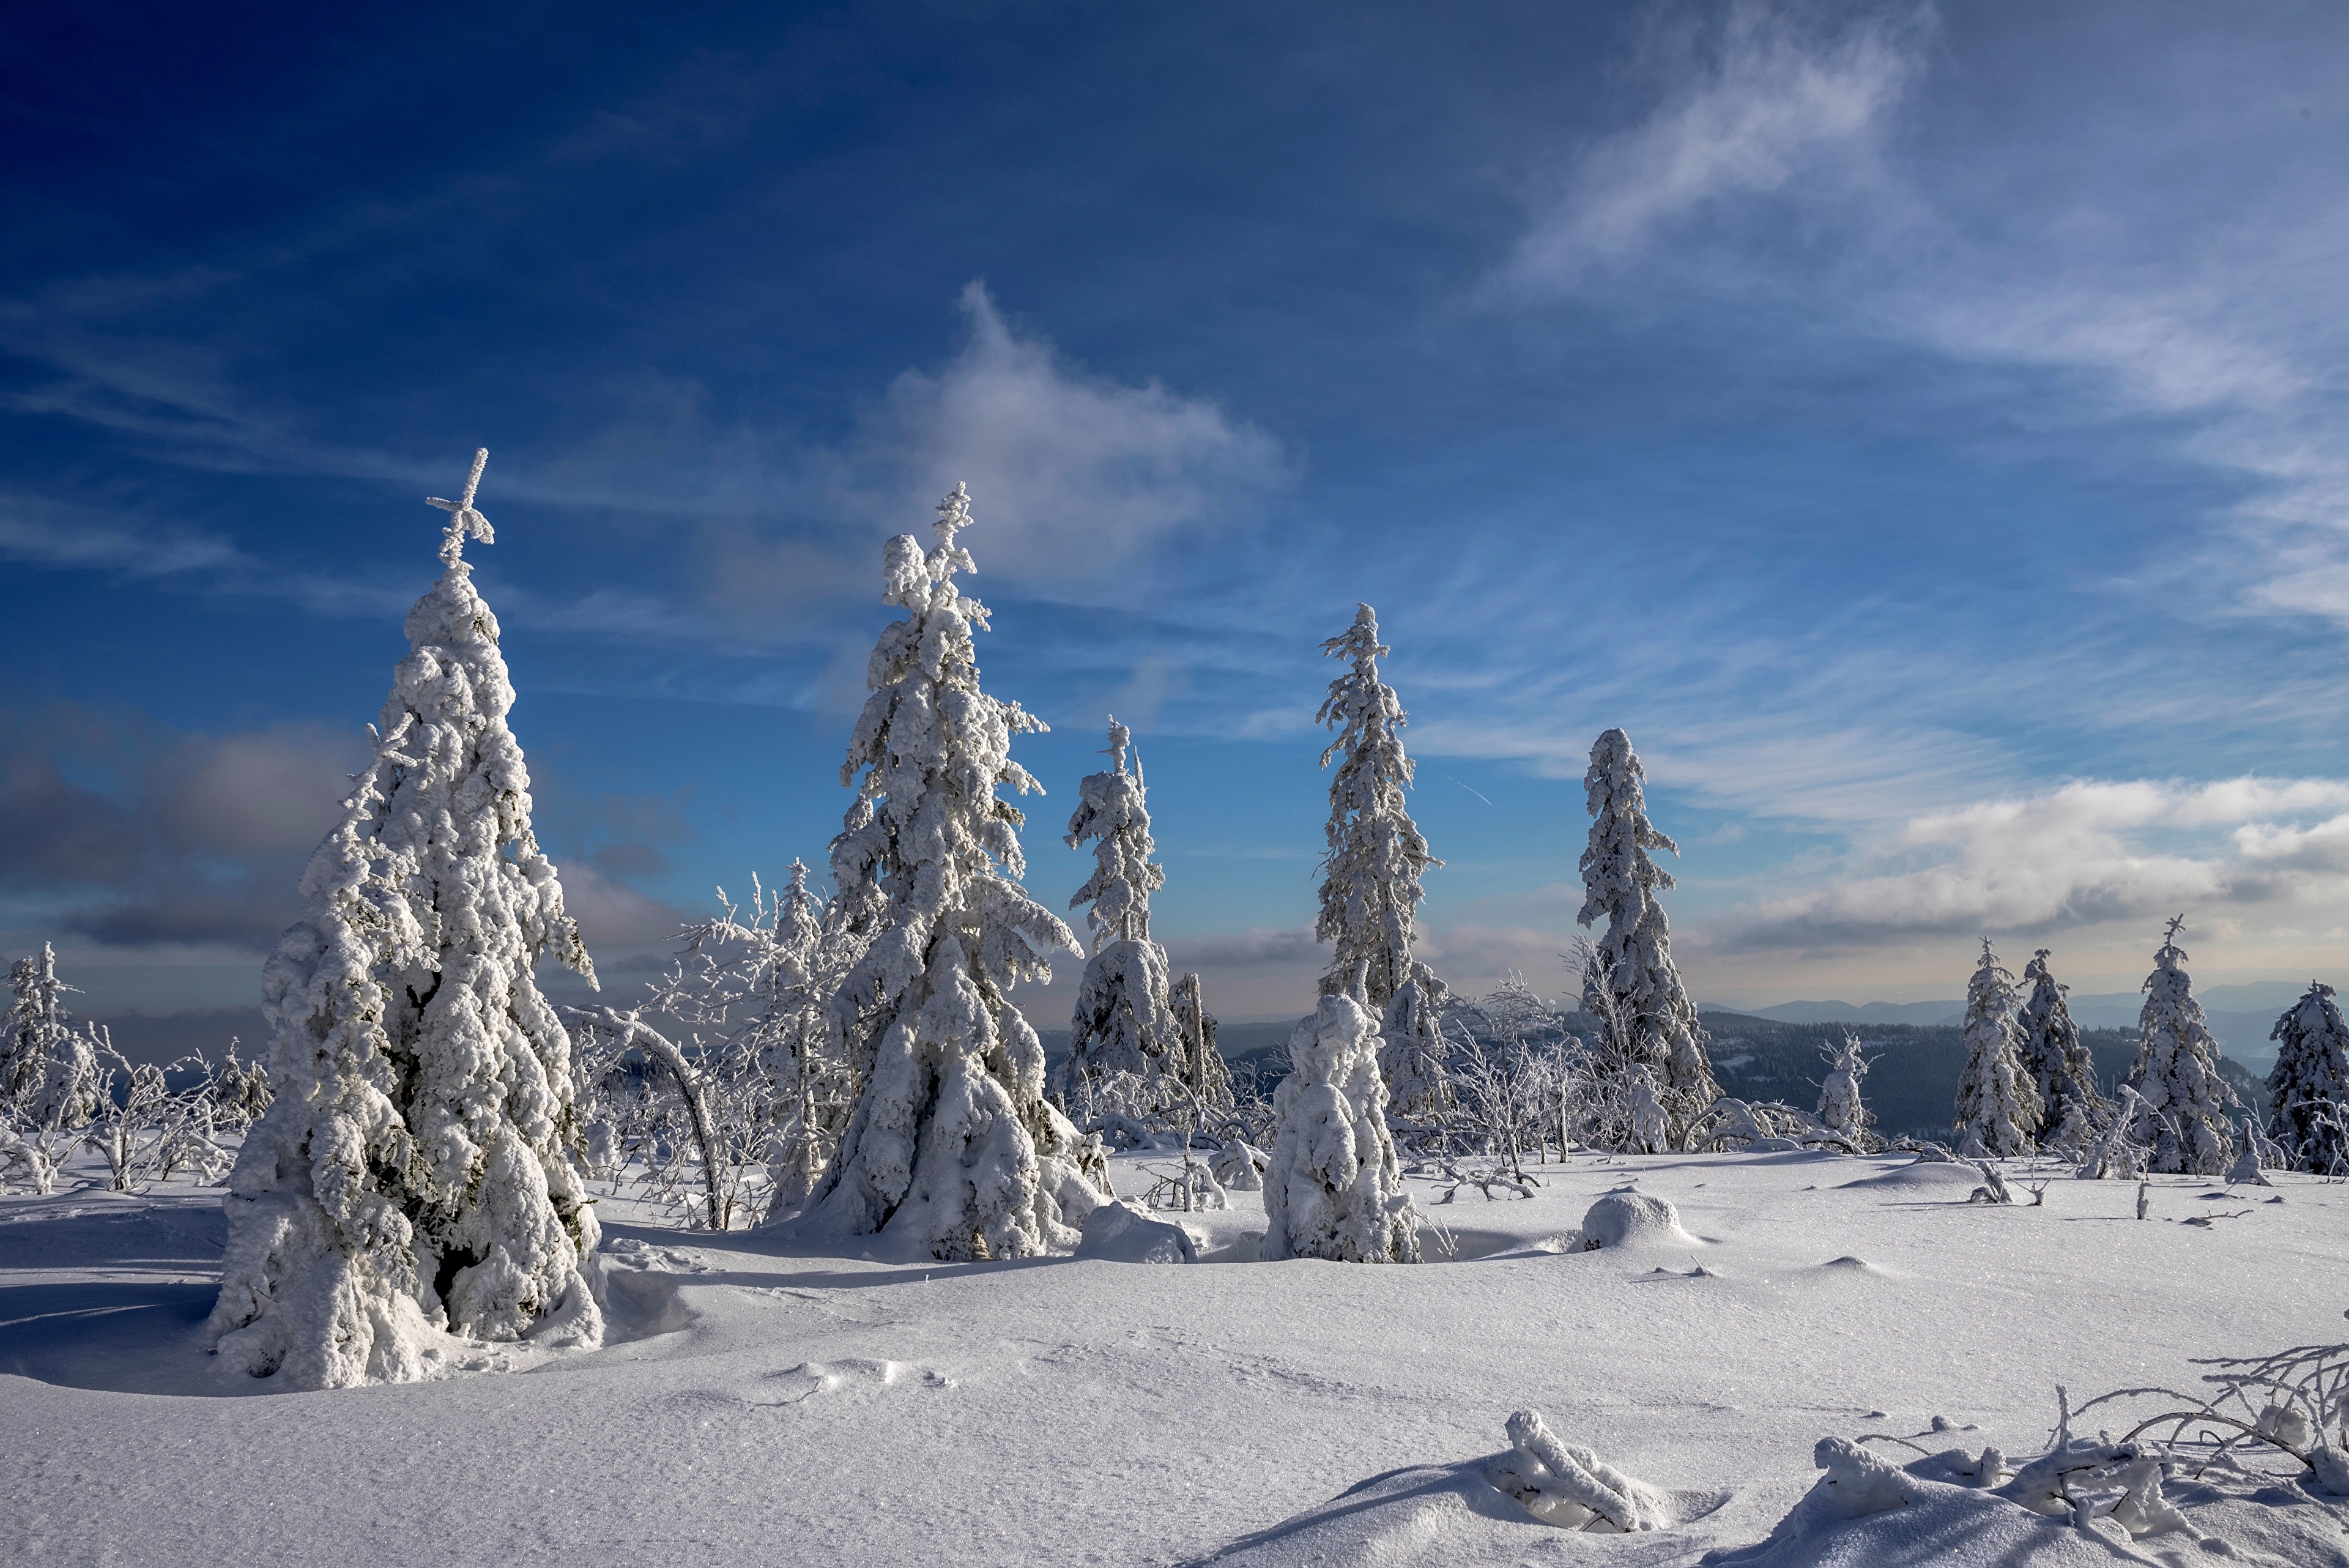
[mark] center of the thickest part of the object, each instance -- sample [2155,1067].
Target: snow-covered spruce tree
[952,1146]
[1203,1069]
[411,1173]
[2308,1088]
[1841,1107]
[1370,884]
[1999,1108]
[1634,958]
[48,1073]
[1122,1022]
[1334,1189]
[2072,1111]
[2183,1105]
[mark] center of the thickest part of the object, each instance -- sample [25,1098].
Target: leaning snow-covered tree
[48,1074]
[1123,1021]
[412,1174]
[1634,959]
[952,1146]
[1370,884]
[1334,1189]
[1998,1107]
[2072,1111]
[2183,1106]
[2308,1088]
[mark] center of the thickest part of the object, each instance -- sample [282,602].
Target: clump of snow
[1633,1220]
[1334,1189]
[1125,1232]
[1569,1486]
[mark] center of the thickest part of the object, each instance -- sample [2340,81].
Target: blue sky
[1919,427]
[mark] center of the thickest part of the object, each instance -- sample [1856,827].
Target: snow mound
[1121,1234]
[1946,1526]
[1444,1516]
[1633,1220]
[1925,1173]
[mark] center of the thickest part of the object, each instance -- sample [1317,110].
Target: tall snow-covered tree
[1203,1068]
[48,1072]
[952,1147]
[1634,959]
[2072,1111]
[2183,1103]
[1999,1108]
[2308,1088]
[1842,1108]
[1334,1189]
[1122,1022]
[1370,884]
[412,1172]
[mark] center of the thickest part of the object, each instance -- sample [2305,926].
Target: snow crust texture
[411,1178]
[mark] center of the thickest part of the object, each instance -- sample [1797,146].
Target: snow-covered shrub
[2116,1154]
[239,1091]
[1998,1107]
[1568,1486]
[1414,1052]
[1334,1189]
[1629,982]
[1122,1022]
[146,1130]
[1842,1108]
[692,1130]
[1370,884]
[952,1145]
[2057,1062]
[412,1172]
[2308,1088]
[2183,1103]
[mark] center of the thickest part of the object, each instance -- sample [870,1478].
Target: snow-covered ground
[767,1408]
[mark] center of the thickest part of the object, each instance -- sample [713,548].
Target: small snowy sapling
[2183,1107]
[1998,1106]
[1334,1189]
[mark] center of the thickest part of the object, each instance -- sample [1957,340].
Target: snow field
[766,1407]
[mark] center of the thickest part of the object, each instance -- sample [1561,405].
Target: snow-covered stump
[1630,978]
[1998,1106]
[2308,1088]
[1334,1189]
[952,1147]
[412,1173]
[1569,1486]
[2182,1112]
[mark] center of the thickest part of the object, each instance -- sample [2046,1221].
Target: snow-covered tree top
[1992,981]
[462,518]
[1112,814]
[1617,872]
[2168,985]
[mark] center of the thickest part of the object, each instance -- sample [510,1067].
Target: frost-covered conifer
[48,1074]
[1999,1109]
[411,1172]
[2183,1102]
[1414,1056]
[2308,1088]
[1369,886]
[1204,1070]
[1841,1107]
[1334,1189]
[2058,1063]
[1122,1023]
[952,1146]
[1633,961]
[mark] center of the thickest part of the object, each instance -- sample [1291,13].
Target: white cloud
[1772,98]
[2085,854]
[1071,474]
